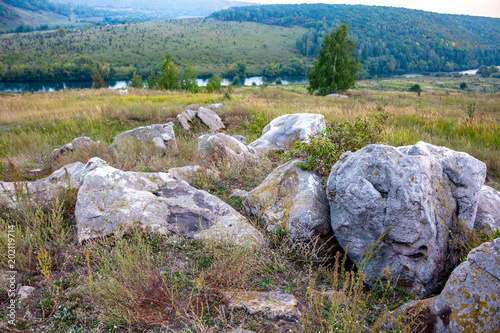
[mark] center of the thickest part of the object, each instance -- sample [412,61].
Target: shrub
[323,151]
[415,88]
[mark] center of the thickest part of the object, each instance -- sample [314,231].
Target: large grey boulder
[470,300]
[161,135]
[217,108]
[224,145]
[111,201]
[45,189]
[210,118]
[79,142]
[488,210]
[416,193]
[284,131]
[293,200]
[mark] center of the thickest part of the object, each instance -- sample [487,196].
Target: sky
[489,8]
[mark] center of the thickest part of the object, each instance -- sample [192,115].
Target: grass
[212,46]
[169,284]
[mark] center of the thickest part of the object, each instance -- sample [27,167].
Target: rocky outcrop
[488,210]
[223,145]
[293,200]
[217,108]
[76,143]
[45,189]
[470,300]
[211,119]
[193,174]
[413,193]
[111,201]
[337,96]
[187,116]
[284,131]
[271,305]
[161,135]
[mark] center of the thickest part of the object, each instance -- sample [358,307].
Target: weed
[44,264]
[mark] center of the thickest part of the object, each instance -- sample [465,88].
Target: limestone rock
[11,193]
[238,193]
[161,135]
[123,92]
[241,139]
[415,193]
[272,305]
[111,201]
[193,174]
[187,116]
[488,210]
[284,131]
[293,200]
[337,96]
[76,143]
[470,300]
[24,292]
[217,108]
[192,107]
[225,146]
[210,118]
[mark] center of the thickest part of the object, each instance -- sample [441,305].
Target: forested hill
[388,39]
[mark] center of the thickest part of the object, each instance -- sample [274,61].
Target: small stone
[272,305]
[24,292]
[337,96]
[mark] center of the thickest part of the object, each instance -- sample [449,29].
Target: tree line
[388,39]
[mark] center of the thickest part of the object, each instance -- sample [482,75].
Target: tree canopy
[169,75]
[336,68]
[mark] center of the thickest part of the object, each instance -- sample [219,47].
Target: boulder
[210,118]
[241,139]
[123,92]
[193,174]
[79,142]
[272,305]
[111,201]
[24,292]
[224,145]
[161,135]
[488,210]
[470,300]
[337,96]
[293,200]
[284,131]
[46,189]
[411,196]
[187,116]
[217,108]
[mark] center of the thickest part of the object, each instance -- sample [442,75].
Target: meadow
[211,46]
[87,288]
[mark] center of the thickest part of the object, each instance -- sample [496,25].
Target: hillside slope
[388,39]
[28,14]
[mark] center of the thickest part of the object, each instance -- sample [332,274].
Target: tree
[336,68]
[61,32]
[169,76]
[188,81]
[97,79]
[463,85]
[214,84]
[415,88]
[137,81]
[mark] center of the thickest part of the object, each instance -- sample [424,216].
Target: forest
[388,39]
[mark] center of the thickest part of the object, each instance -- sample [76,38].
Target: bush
[323,151]
[415,88]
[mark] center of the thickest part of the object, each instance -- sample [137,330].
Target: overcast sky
[489,8]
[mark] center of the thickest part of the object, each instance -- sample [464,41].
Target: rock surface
[210,118]
[161,135]
[292,200]
[193,174]
[470,300]
[217,108]
[24,292]
[488,210]
[79,142]
[111,201]
[284,131]
[187,116]
[223,145]
[337,96]
[415,193]
[11,193]
[272,305]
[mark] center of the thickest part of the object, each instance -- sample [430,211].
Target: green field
[212,46]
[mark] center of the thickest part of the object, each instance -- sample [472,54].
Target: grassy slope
[212,46]
[28,17]
[31,125]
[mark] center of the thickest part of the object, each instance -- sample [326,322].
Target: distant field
[212,46]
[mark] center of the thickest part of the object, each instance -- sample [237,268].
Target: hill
[27,15]
[212,47]
[388,39]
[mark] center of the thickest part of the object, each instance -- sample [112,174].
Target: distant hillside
[27,15]
[388,39]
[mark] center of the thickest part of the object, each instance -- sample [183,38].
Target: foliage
[463,86]
[415,88]
[188,81]
[487,71]
[44,264]
[136,81]
[97,79]
[214,84]
[471,109]
[336,68]
[169,75]
[324,150]
[389,39]
[61,32]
